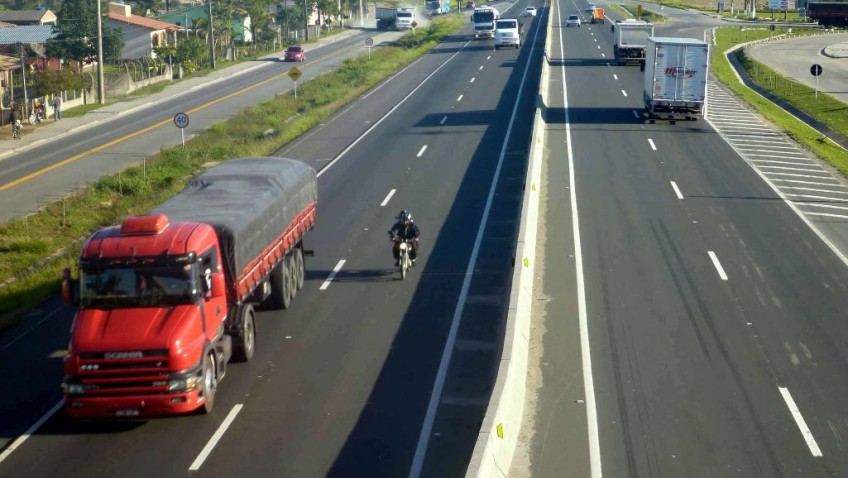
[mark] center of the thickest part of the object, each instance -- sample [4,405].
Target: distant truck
[405,18]
[675,78]
[598,15]
[166,299]
[438,7]
[631,38]
[484,18]
[828,13]
[390,18]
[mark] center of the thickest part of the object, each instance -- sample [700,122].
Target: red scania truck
[167,299]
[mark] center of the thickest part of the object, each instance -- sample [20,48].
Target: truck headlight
[73,388]
[185,384]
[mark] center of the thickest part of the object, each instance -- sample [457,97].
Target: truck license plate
[128,412]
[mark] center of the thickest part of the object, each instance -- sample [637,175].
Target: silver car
[572,20]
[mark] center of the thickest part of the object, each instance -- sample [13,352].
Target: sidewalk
[49,129]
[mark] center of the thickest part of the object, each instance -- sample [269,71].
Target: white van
[507,33]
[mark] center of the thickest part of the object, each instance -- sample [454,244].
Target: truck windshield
[483,17]
[126,287]
[404,14]
[506,24]
[434,5]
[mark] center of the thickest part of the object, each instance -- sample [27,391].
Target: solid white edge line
[717,265]
[447,352]
[392,110]
[676,190]
[586,354]
[333,274]
[799,420]
[423,148]
[651,142]
[386,201]
[198,462]
[21,439]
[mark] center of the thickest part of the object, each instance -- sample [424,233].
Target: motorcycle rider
[404,230]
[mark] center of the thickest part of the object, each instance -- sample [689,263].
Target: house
[141,34]
[31,37]
[28,17]
[241,24]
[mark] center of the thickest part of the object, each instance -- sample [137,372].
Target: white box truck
[631,38]
[405,18]
[675,78]
[484,19]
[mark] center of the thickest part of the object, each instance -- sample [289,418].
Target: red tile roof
[143,22]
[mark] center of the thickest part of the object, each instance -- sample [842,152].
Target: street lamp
[101,86]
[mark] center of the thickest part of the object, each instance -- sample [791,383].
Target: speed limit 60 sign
[181,120]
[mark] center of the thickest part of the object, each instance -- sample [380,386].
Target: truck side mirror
[70,288]
[219,285]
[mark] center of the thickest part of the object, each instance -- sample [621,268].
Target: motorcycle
[404,261]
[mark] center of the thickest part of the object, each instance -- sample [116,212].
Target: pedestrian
[57,106]
[15,119]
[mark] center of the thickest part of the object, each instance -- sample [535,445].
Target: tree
[76,34]
[45,82]
[154,6]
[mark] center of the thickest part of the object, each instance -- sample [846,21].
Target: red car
[295,53]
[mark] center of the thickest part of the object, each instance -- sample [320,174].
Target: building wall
[137,40]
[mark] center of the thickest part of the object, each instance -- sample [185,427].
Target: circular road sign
[369,41]
[816,70]
[181,120]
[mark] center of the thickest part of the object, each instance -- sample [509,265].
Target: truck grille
[124,373]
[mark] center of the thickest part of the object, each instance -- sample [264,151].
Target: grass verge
[34,250]
[825,109]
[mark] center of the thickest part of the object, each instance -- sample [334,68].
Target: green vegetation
[646,15]
[34,250]
[825,109]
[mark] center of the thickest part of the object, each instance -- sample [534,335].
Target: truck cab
[405,17]
[507,33]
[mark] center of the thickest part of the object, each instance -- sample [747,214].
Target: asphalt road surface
[710,308]
[365,375]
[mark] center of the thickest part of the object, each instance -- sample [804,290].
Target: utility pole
[101,87]
[305,21]
[25,110]
[211,38]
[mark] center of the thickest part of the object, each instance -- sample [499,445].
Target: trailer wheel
[277,279]
[244,344]
[287,282]
[293,274]
[210,383]
[301,267]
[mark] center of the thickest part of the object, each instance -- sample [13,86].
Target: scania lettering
[166,299]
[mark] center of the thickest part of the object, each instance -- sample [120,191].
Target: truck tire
[210,382]
[301,267]
[244,343]
[276,300]
[287,282]
[292,273]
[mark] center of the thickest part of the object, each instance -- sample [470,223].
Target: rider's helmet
[405,216]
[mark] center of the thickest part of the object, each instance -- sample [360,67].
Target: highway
[365,375]
[691,316]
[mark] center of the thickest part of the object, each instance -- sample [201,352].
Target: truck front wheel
[244,343]
[287,282]
[210,382]
[293,274]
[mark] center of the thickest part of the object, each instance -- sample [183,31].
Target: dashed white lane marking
[676,190]
[21,439]
[615,76]
[333,274]
[603,56]
[651,142]
[481,66]
[198,462]
[460,98]
[444,120]
[717,265]
[386,201]
[423,148]
[799,420]
[599,46]
[472,80]
[623,92]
